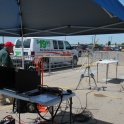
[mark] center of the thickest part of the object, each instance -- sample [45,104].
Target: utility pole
[111,39]
[94,39]
[108,38]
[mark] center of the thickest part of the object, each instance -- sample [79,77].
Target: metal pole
[108,38]
[111,39]
[3,39]
[65,38]
[92,39]
[21,33]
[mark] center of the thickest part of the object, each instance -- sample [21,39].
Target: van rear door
[26,47]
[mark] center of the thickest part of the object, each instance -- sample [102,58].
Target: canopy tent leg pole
[20,13]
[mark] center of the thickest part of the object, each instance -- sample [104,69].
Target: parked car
[78,48]
[112,48]
[98,48]
[116,49]
[84,47]
[122,49]
[94,48]
[106,49]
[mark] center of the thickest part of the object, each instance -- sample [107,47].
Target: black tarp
[30,18]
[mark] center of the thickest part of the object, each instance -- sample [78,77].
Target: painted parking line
[5,107]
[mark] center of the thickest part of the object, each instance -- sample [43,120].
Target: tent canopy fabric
[112,6]
[39,18]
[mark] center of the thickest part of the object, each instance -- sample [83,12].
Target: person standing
[5,61]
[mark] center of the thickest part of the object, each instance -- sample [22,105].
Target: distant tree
[109,43]
[122,44]
[115,44]
[78,43]
[90,43]
[96,44]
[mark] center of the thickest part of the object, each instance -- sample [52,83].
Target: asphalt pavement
[101,104]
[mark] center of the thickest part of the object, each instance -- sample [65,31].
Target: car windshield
[73,47]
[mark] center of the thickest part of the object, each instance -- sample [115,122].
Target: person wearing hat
[5,61]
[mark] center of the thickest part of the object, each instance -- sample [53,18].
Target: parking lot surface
[103,104]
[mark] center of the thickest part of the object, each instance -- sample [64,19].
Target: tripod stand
[89,75]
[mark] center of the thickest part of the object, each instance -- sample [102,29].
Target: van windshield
[26,43]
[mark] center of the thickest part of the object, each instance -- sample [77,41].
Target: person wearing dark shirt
[5,61]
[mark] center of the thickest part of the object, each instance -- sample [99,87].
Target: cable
[53,116]
[120,84]
[85,115]
[20,120]
[67,102]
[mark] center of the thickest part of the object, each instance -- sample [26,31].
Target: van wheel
[80,53]
[53,66]
[74,61]
[32,68]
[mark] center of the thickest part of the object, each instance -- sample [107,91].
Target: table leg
[42,71]
[116,69]
[97,72]
[18,105]
[107,72]
[52,114]
[70,109]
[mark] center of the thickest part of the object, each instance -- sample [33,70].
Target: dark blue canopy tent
[113,6]
[37,18]
[29,18]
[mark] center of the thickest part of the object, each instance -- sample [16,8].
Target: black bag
[22,106]
[19,106]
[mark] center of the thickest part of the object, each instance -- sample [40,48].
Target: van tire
[79,53]
[74,61]
[32,68]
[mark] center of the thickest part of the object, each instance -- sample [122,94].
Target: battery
[8,121]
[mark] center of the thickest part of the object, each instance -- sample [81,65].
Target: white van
[56,49]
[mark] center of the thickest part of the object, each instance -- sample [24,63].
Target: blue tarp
[113,6]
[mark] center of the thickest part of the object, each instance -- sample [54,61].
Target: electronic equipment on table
[18,80]
[41,95]
[42,90]
[44,95]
